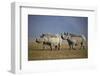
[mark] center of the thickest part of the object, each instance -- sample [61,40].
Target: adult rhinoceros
[54,41]
[74,40]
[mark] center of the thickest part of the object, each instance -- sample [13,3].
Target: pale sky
[38,24]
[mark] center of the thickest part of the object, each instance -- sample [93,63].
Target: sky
[38,24]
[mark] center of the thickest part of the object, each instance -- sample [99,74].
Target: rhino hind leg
[51,47]
[56,47]
[59,46]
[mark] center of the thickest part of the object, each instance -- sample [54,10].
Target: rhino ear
[42,34]
[62,33]
[67,33]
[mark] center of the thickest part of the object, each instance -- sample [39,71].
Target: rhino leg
[59,47]
[51,47]
[56,47]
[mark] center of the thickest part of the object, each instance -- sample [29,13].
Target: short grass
[36,52]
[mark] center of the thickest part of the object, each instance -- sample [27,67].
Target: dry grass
[35,52]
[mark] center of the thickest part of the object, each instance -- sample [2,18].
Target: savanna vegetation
[36,52]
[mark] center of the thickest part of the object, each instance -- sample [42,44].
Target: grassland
[36,52]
